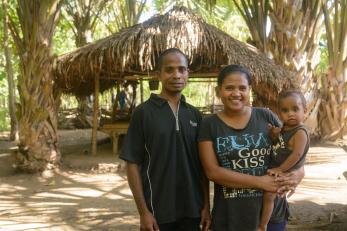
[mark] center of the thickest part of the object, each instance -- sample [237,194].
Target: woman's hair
[233,69]
[286,93]
[165,53]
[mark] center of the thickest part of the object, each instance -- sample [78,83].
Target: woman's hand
[268,183]
[274,172]
[289,181]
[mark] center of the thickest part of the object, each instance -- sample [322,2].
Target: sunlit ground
[69,201]
[321,199]
[81,200]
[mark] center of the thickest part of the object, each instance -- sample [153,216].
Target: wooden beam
[148,76]
[95,114]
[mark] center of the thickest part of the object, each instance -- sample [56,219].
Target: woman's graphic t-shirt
[246,151]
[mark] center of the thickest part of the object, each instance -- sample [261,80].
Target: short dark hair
[165,53]
[292,92]
[233,69]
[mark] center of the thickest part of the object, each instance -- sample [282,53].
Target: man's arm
[147,220]
[205,212]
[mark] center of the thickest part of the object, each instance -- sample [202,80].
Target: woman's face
[234,91]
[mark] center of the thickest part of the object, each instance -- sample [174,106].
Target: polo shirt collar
[160,101]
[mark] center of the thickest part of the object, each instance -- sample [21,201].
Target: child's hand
[291,192]
[275,172]
[286,191]
[274,132]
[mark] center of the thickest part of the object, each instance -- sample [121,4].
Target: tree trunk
[37,111]
[38,138]
[333,111]
[10,79]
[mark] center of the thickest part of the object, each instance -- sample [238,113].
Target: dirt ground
[91,192]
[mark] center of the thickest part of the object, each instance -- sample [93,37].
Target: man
[163,166]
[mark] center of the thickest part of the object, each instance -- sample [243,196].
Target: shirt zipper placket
[176,115]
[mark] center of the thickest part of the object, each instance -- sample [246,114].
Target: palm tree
[289,33]
[37,108]
[333,110]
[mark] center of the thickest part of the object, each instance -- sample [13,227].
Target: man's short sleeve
[134,142]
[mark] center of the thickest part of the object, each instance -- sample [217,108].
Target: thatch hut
[134,50]
[132,53]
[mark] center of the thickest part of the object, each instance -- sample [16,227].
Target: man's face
[173,73]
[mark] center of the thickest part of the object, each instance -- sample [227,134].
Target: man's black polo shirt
[168,158]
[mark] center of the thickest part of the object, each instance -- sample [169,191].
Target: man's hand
[148,222]
[205,219]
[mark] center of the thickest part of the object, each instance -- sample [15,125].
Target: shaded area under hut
[131,55]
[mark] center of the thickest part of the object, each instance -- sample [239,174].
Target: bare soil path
[91,192]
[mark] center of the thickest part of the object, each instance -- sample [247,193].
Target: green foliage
[200,94]
[324,58]
[63,41]
[68,101]
[195,92]
[4,120]
[222,14]
[4,115]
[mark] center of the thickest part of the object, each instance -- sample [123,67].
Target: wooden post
[95,114]
[115,137]
[141,90]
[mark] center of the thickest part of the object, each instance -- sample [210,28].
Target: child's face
[291,111]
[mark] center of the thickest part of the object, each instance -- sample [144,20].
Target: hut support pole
[95,114]
[141,90]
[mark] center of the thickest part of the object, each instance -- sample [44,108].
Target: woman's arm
[229,178]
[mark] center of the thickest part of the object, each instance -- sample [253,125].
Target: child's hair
[233,69]
[286,93]
[165,53]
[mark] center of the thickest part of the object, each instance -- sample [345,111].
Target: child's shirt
[281,150]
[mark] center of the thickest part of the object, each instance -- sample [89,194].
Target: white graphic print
[246,154]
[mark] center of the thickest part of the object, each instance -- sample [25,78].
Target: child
[290,150]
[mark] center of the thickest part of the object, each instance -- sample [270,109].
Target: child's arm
[274,132]
[300,140]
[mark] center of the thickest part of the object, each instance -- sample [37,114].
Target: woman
[234,149]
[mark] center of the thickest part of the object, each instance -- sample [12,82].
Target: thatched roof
[134,50]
